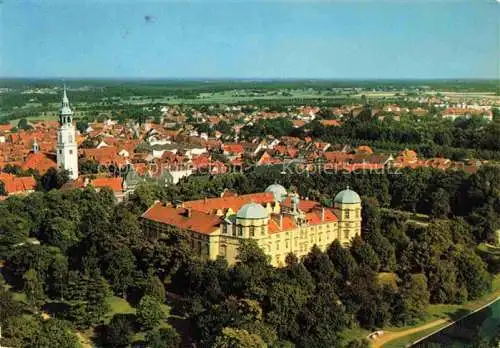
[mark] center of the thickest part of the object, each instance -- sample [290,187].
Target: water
[484,324]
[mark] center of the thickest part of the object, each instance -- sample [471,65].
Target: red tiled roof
[13,184]
[330,123]
[234,148]
[40,161]
[114,183]
[210,205]
[197,221]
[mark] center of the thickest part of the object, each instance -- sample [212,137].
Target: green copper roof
[278,191]
[252,211]
[347,196]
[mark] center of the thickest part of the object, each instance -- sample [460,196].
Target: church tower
[67,155]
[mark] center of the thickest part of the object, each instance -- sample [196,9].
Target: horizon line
[254,78]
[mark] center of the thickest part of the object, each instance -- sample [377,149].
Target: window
[347,214]
[252,231]
[70,152]
[277,245]
[262,231]
[70,138]
[286,244]
[224,228]
[346,234]
[240,230]
[320,237]
[60,152]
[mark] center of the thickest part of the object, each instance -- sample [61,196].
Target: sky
[357,39]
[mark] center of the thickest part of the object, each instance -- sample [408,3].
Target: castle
[279,222]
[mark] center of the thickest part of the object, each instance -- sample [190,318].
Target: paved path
[392,335]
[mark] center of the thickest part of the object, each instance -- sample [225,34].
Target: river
[482,324]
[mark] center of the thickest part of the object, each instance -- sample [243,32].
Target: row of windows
[355,215]
[238,230]
[70,138]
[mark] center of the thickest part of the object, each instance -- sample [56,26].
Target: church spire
[65,97]
[65,113]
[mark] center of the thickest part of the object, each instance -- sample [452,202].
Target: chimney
[322,214]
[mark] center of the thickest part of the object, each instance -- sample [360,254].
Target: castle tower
[67,155]
[347,207]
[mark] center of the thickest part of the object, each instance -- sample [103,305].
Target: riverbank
[439,317]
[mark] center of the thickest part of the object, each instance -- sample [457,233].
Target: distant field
[33,118]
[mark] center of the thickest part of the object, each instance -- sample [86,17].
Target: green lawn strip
[403,341]
[353,333]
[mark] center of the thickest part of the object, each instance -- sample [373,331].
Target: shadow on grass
[459,313]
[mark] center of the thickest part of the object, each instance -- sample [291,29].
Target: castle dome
[347,196]
[278,191]
[252,211]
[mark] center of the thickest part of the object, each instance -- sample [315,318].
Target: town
[299,181]
[249,174]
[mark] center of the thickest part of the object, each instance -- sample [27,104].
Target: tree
[56,333]
[342,260]
[21,331]
[471,272]
[59,232]
[33,287]
[149,312]
[8,306]
[238,338]
[364,254]
[319,265]
[284,303]
[23,124]
[119,270]
[414,298]
[440,203]
[14,229]
[154,287]
[321,320]
[119,331]
[53,179]
[442,275]
[251,271]
[86,296]
[58,277]
[163,338]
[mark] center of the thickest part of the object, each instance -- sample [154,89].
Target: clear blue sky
[250,39]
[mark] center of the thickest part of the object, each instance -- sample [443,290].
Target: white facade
[67,151]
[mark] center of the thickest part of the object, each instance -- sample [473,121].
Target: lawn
[118,305]
[34,118]
[354,333]
[402,342]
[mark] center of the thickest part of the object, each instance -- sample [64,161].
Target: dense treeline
[91,248]
[462,133]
